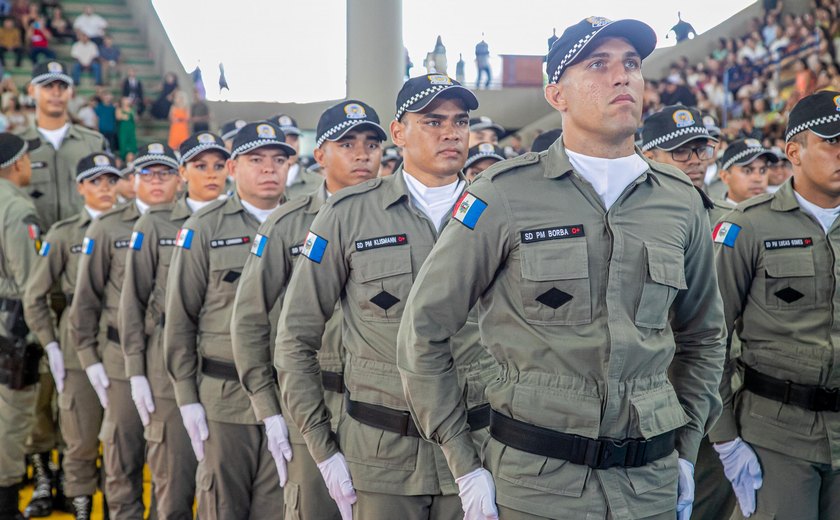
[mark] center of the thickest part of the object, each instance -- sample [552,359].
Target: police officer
[745,171]
[95,328]
[593,274]
[300,181]
[19,245]
[206,266]
[481,157]
[391,159]
[141,319]
[484,130]
[79,413]
[348,149]
[363,249]
[229,130]
[776,257]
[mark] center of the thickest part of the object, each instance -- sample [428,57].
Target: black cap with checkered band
[13,147]
[287,124]
[672,127]
[48,71]
[229,129]
[95,165]
[201,142]
[745,151]
[258,135]
[819,113]
[484,151]
[348,115]
[155,153]
[417,93]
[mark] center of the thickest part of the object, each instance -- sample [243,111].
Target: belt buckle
[404,422]
[620,452]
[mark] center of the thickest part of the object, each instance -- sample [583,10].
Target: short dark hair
[801,139]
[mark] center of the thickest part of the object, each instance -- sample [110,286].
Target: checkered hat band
[154,158]
[573,52]
[479,156]
[247,147]
[90,172]
[743,155]
[419,96]
[42,79]
[230,135]
[698,130]
[15,158]
[203,147]
[340,129]
[809,124]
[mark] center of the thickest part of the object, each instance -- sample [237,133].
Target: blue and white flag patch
[468,210]
[87,245]
[45,249]
[258,246]
[184,239]
[136,240]
[725,233]
[314,247]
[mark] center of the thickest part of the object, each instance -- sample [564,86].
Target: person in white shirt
[85,54]
[91,24]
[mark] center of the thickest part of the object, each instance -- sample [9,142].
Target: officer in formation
[79,412]
[20,242]
[600,412]
[94,323]
[391,159]
[300,182]
[363,250]
[203,168]
[481,157]
[211,249]
[776,256]
[745,171]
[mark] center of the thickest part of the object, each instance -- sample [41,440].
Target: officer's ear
[793,150]
[555,95]
[398,132]
[649,154]
[318,153]
[182,172]
[725,175]
[31,90]
[231,168]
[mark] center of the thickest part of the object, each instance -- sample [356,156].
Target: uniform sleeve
[697,324]
[186,287]
[310,299]
[23,230]
[735,270]
[261,284]
[46,272]
[140,267]
[460,268]
[86,310]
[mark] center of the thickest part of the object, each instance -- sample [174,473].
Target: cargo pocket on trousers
[545,474]
[68,422]
[291,501]
[107,432]
[154,432]
[205,492]
[665,277]
[555,282]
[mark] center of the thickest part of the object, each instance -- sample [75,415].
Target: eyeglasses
[161,175]
[109,178]
[704,153]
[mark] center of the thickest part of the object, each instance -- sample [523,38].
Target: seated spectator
[106,112]
[132,88]
[87,114]
[32,14]
[91,24]
[161,106]
[8,90]
[86,54]
[109,58]
[60,26]
[18,120]
[10,41]
[20,9]
[39,37]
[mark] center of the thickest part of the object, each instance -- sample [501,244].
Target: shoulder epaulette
[351,191]
[210,208]
[288,208]
[116,210]
[754,201]
[66,222]
[160,208]
[85,130]
[672,172]
[511,164]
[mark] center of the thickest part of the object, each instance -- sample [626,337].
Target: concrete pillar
[375,55]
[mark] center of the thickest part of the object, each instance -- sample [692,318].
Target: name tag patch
[552,233]
[120,244]
[167,241]
[76,249]
[785,243]
[227,242]
[386,241]
[296,250]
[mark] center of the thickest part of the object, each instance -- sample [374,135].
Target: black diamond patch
[554,298]
[36,194]
[385,300]
[231,276]
[788,295]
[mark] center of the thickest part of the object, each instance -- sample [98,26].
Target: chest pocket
[226,266]
[790,280]
[555,282]
[381,283]
[665,277]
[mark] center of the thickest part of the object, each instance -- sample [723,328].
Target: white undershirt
[294,173]
[92,212]
[142,207]
[730,201]
[55,137]
[825,216]
[609,177]
[196,205]
[435,202]
[260,214]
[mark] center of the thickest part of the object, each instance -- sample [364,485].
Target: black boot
[60,501]
[9,504]
[41,504]
[82,507]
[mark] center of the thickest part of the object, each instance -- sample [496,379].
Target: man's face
[388,168]
[817,163]
[125,187]
[434,141]
[261,175]
[697,153]
[205,176]
[479,166]
[746,181]
[51,99]
[601,94]
[488,135]
[351,160]
[157,184]
[100,193]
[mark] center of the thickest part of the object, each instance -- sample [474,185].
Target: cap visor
[750,158]
[639,34]
[463,93]
[33,144]
[291,130]
[675,143]
[827,131]
[148,162]
[198,150]
[99,172]
[277,144]
[361,125]
[485,126]
[46,79]
[475,158]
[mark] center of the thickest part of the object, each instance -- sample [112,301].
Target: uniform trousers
[17,408]
[171,461]
[379,506]
[305,495]
[124,450]
[80,418]
[713,495]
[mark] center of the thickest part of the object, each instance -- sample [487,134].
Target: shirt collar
[784,199]
[396,189]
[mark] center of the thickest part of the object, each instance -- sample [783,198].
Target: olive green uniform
[305,183]
[376,241]
[19,243]
[141,319]
[201,287]
[587,310]
[778,280]
[722,207]
[94,325]
[79,412]
[258,302]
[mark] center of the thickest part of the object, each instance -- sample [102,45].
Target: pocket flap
[65,401]
[227,258]
[373,265]
[659,412]
[108,431]
[666,266]
[787,265]
[204,479]
[154,432]
[556,260]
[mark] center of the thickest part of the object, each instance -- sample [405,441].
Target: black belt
[162,319]
[69,299]
[809,397]
[400,422]
[9,304]
[600,453]
[333,381]
[114,335]
[223,369]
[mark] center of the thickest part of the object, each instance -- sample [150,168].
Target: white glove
[99,381]
[56,360]
[141,394]
[741,467]
[195,421]
[685,488]
[478,495]
[277,435]
[337,476]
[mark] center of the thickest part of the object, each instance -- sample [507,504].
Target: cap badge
[354,111]
[486,148]
[598,21]
[54,67]
[266,132]
[752,143]
[439,79]
[837,103]
[239,123]
[156,148]
[708,121]
[206,139]
[285,121]
[683,118]
[101,160]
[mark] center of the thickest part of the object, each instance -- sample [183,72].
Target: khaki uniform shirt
[778,280]
[585,309]
[98,287]
[53,185]
[305,183]
[200,291]
[58,264]
[258,302]
[142,302]
[375,242]
[20,241]
[722,207]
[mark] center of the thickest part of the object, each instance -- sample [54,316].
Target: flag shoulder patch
[258,246]
[468,210]
[314,247]
[726,233]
